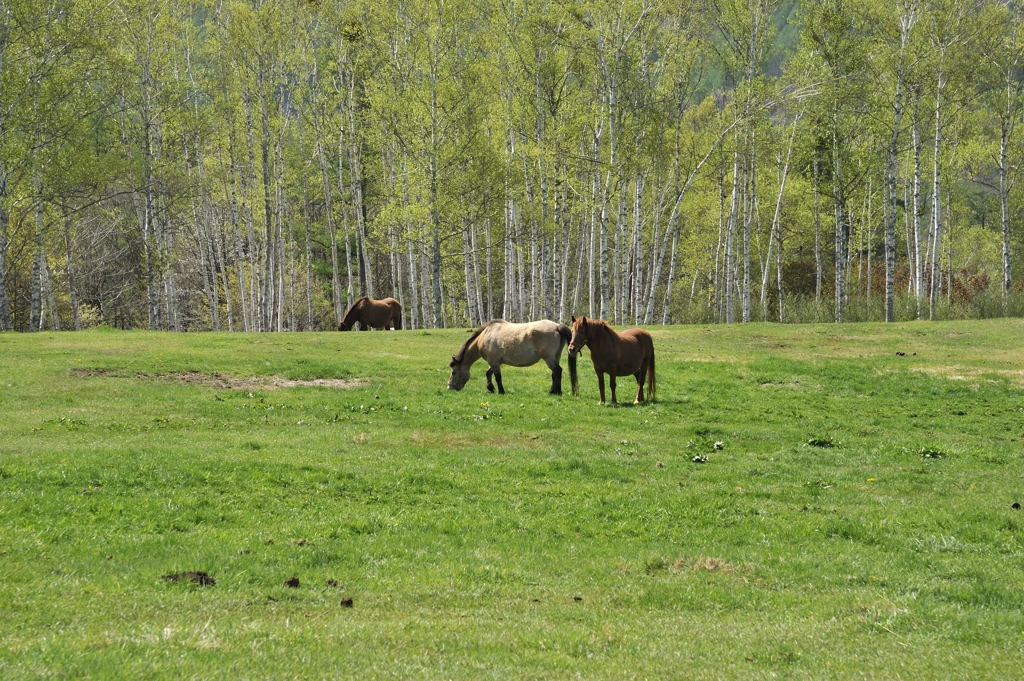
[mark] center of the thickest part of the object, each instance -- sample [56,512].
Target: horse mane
[461,354]
[351,315]
[601,324]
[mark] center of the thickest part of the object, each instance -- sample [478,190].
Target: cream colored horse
[520,345]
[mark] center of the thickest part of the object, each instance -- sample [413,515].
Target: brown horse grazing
[520,345]
[376,314]
[630,353]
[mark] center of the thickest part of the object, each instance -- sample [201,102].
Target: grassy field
[851,519]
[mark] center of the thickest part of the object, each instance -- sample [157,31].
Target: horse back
[520,344]
[377,313]
[638,336]
[631,348]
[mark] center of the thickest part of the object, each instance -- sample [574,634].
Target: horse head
[348,322]
[460,375]
[579,335]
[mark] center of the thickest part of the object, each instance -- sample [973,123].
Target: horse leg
[497,377]
[611,382]
[490,386]
[600,385]
[640,385]
[556,379]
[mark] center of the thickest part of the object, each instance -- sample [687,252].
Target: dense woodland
[258,165]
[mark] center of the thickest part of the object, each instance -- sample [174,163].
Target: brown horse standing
[377,314]
[630,353]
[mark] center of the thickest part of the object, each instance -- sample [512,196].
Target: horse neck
[472,352]
[606,337]
[352,316]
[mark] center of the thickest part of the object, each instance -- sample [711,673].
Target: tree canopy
[259,165]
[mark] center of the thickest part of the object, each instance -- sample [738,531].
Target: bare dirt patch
[89,373]
[444,441]
[685,564]
[709,564]
[200,578]
[962,373]
[256,382]
[231,382]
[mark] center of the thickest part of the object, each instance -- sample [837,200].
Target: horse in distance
[520,345]
[373,314]
[630,353]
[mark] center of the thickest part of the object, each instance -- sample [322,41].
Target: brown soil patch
[709,564]
[444,441]
[962,373]
[91,372]
[292,582]
[256,382]
[200,578]
[233,383]
[704,564]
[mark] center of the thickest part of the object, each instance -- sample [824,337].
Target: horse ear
[573,319]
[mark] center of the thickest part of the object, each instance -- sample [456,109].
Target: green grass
[855,521]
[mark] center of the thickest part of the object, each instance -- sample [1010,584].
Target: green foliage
[257,166]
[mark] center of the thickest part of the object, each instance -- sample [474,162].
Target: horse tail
[396,315]
[573,376]
[652,391]
[566,333]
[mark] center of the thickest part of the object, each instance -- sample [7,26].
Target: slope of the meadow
[855,520]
